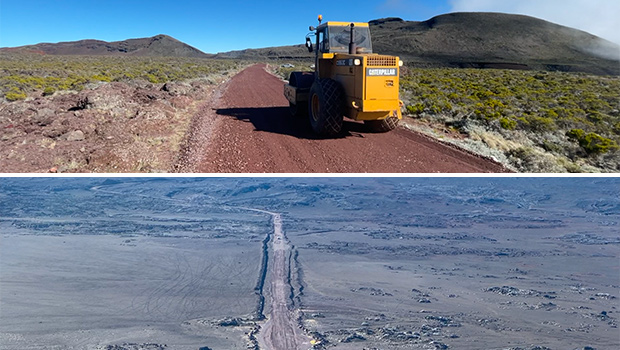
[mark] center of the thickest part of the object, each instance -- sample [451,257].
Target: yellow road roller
[348,80]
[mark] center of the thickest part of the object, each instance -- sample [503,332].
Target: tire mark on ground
[282,330]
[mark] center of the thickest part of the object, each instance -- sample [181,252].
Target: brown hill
[159,45]
[495,39]
[478,40]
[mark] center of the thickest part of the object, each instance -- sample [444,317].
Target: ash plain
[381,263]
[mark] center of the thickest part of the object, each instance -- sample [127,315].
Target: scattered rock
[177,89]
[439,345]
[44,117]
[77,135]
[230,322]
[372,291]
[354,338]
[513,291]
[544,306]
[604,296]
[443,321]
[82,103]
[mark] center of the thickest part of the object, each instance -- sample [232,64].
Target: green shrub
[540,124]
[595,144]
[550,113]
[576,134]
[596,116]
[15,94]
[152,78]
[101,77]
[508,124]
[592,143]
[416,109]
[48,91]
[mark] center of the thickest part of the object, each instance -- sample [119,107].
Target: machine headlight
[400,63]
[357,62]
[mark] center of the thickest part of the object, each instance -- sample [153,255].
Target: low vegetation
[538,121]
[530,121]
[22,74]
[101,114]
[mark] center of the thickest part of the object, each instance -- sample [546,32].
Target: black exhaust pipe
[352,46]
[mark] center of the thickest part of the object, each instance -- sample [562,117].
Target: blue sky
[217,26]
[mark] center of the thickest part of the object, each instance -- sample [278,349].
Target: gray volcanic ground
[389,263]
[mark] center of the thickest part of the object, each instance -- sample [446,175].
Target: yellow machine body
[370,81]
[371,88]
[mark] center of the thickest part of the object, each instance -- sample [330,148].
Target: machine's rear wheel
[299,110]
[384,125]
[326,107]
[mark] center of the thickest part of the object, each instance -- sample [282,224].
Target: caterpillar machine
[348,80]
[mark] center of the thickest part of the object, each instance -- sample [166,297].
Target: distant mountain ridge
[159,46]
[477,39]
[465,39]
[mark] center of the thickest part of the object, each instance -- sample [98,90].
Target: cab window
[340,36]
[323,41]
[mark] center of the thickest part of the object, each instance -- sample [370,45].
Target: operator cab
[334,37]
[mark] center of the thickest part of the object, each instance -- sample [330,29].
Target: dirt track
[253,131]
[281,331]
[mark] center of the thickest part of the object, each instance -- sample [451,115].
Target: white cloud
[598,17]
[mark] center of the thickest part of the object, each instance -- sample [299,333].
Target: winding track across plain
[255,133]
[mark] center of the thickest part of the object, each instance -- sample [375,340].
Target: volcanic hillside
[159,45]
[486,40]
[495,39]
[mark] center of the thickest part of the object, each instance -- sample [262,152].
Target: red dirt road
[255,133]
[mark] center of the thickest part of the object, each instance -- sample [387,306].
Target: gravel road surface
[253,132]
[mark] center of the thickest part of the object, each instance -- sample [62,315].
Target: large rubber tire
[299,110]
[326,107]
[384,125]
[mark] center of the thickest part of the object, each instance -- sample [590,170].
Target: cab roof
[342,24]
